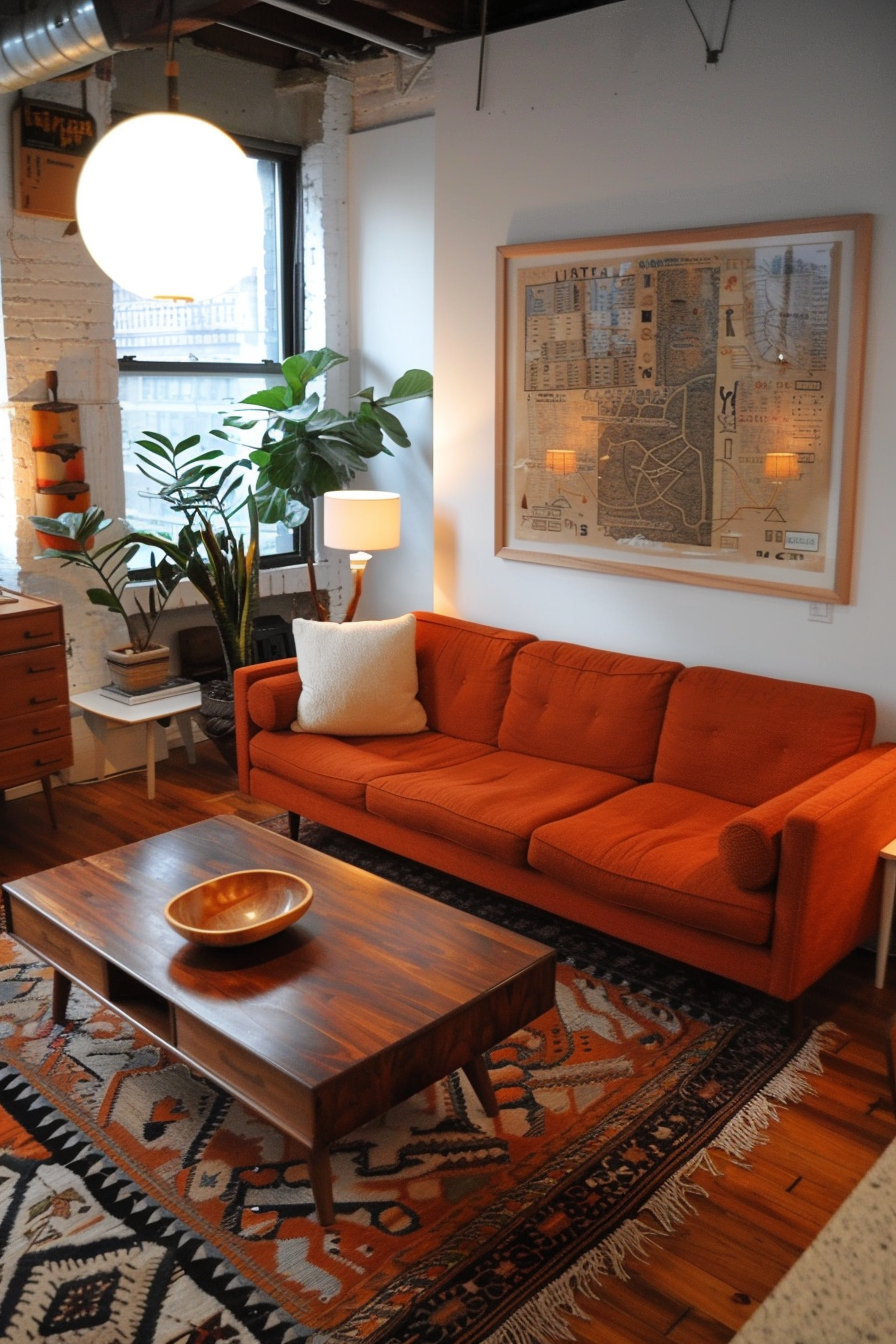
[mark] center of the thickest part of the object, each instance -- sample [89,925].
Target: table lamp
[361,521]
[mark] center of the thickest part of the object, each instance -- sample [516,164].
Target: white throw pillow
[358,679]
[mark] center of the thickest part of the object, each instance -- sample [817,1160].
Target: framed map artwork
[685,405]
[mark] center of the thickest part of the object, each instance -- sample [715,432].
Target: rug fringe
[540,1320]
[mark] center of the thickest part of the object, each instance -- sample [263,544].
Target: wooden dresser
[35,725]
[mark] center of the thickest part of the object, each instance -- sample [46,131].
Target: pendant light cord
[172,69]
[712,53]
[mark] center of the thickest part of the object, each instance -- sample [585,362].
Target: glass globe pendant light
[169,206]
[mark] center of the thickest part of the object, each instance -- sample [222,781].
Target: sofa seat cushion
[491,804]
[656,850]
[342,768]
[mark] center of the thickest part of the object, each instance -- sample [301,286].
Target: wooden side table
[888,854]
[100,710]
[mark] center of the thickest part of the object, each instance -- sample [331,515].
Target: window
[182,364]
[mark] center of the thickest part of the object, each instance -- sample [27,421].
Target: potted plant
[207,491]
[142,662]
[307,450]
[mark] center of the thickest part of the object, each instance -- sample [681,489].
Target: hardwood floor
[699,1285]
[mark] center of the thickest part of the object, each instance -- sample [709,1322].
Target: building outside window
[184,366]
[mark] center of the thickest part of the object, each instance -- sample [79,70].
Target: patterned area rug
[139,1203]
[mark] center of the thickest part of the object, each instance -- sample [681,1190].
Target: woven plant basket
[138,671]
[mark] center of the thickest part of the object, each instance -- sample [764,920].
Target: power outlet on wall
[821,611]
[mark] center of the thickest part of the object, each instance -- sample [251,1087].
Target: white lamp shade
[362,520]
[170,207]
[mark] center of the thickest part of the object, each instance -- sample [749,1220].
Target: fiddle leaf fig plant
[307,449]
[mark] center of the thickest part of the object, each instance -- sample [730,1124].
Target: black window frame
[292,290]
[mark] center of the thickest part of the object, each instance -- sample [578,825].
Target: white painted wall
[607,122]
[391,203]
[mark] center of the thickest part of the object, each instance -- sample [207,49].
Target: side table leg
[482,1084]
[185,728]
[886,922]
[150,759]
[61,988]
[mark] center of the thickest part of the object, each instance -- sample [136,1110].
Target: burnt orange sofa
[730,821]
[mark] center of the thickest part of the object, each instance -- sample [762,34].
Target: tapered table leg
[482,1084]
[320,1174]
[61,989]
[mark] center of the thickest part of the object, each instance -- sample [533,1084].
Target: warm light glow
[560,460]
[170,207]
[362,520]
[781,467]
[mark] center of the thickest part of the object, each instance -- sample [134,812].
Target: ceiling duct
[60,36]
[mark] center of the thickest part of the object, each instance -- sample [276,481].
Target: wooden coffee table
[376,993]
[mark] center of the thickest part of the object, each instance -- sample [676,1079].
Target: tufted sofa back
[464,675]
[746,738]
[587,707]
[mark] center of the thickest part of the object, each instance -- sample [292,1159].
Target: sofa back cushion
[463,673]
[746,738]
[587,707]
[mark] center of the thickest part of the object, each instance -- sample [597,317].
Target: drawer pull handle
[42,732]
[45,700]
[42,764]
[37,634]
[33,671]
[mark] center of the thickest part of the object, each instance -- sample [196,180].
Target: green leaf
[412,384]
[101,598]
[300,370]
[391,425]
[272,398]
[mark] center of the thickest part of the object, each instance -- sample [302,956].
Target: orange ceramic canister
[54,500]
[54,422]
[58,463]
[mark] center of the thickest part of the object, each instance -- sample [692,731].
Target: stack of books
[173,686]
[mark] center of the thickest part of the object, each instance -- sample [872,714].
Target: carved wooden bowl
[238,908]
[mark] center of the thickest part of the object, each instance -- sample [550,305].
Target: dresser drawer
[26,730]
[22,764]
[33,629]
[34,680]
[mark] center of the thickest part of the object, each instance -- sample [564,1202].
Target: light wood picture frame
[685,405]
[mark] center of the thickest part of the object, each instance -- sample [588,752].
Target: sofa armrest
[828,896]
[244,678]
[750,845]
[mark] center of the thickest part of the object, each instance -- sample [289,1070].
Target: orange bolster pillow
[750,846]
[272,702]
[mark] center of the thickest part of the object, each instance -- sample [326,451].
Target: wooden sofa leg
[797,1017]
[295,822]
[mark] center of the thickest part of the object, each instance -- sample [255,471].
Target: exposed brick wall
[57,314]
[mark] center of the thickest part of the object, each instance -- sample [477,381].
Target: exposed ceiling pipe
[59,36]
[321,16]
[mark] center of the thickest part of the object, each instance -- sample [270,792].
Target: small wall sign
[51,143]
